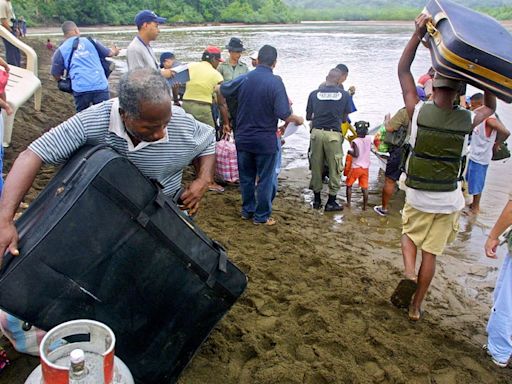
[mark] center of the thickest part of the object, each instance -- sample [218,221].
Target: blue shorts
[475,177]
[393,170]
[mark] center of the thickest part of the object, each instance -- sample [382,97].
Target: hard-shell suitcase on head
[102,242]
[468,45]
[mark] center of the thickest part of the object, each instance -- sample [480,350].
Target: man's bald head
[333,77]
[69,28]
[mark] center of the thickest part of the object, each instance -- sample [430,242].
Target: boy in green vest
[434,199]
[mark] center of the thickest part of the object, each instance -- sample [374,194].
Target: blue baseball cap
[164,56]
[147,16]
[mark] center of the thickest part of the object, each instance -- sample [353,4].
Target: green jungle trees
[122,12]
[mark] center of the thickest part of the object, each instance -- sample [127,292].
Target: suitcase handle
[142,217]
[73,173]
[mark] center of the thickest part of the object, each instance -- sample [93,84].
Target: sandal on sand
[270,221]
[496,362]
[246,216]
[415,316]
[403,293]
[215,188]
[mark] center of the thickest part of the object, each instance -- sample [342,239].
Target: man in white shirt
[139,53]
[12,54]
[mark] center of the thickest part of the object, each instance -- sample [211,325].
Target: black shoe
[332,207]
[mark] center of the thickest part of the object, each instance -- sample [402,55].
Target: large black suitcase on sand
[468,45]
[102,242]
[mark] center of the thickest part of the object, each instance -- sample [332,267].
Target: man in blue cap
[139,53]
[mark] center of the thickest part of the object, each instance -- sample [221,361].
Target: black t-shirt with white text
[328,107]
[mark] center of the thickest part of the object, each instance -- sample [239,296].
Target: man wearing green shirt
[233,67]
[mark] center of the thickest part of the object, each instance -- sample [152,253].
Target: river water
[371,51]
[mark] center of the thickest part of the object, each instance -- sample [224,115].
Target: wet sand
[317,305]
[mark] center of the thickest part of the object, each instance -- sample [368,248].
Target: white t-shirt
[481,145]
[432,201]
[6,11]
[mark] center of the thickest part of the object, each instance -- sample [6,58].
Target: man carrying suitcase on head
[438,141]
[142,124]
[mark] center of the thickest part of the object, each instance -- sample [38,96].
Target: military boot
[332,205]
[317,202]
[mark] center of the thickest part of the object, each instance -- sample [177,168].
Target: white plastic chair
[22,84]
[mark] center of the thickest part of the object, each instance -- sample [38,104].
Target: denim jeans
[499,328]
[12,54]
[1,166]
[277,168]
[256,199]
[85,99]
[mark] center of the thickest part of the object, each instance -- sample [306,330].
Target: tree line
[122,12]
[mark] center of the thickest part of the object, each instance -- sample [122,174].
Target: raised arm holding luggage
[434,197]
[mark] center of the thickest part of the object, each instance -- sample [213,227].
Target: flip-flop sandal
[270,221]
[403,293]
[216,188]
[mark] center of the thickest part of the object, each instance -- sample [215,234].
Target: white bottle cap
[77,356]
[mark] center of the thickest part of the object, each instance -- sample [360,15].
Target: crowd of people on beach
[163,124]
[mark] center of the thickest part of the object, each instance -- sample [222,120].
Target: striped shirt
[163,160]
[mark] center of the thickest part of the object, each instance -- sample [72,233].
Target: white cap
[77,356]
[254,55]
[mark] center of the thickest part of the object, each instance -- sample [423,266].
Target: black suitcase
[102,242]
[468,45]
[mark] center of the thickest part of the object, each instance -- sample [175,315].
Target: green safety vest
[435,163]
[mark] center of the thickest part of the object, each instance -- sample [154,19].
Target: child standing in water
[360,152]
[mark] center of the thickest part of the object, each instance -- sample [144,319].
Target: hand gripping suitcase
[102,242]
[468,45]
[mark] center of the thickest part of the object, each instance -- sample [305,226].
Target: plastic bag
[378,140]
[227,163]
[24,341]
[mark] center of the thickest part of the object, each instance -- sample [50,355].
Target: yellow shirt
[203,79]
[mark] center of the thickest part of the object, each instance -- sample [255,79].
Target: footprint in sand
[353,322]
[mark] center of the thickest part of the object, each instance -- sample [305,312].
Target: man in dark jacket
[262,101]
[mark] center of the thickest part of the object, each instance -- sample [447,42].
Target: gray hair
[68,26]
[142,85]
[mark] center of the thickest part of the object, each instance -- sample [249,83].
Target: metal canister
[93,343]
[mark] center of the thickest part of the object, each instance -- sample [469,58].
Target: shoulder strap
[73,49]
[95,45]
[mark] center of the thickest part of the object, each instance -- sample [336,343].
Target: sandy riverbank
[317,306]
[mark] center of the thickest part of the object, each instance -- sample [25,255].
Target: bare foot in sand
[411,276]
[415,313]
[469,211]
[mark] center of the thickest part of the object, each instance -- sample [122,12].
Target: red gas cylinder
[90,360]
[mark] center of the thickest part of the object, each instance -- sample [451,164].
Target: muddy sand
[317,307]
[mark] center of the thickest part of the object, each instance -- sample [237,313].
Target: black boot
[317,202]
[332,205]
